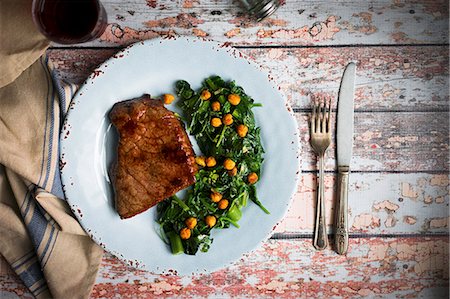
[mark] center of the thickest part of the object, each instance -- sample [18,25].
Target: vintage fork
[320,139]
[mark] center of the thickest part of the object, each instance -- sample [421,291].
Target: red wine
[70,21]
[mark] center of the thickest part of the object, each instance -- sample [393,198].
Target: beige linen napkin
[40,238]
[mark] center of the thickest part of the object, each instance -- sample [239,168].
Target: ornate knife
[344,154]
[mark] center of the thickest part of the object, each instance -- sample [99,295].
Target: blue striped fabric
[42,229]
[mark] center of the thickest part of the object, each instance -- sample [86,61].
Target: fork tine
[323,119]
[318,115]
[329,115]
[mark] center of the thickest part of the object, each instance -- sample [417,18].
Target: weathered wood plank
[379,203]
[389,78]
[295,23]
[410,141]
[10,284]
[381,268]
[293,269]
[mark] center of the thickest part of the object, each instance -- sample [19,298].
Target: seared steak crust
[155,158]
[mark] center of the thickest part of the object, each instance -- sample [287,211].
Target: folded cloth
[40,237]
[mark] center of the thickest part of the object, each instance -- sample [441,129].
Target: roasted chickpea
[234,99]
[168,98]
[216,122]
[242,130]
[205,95]
[215,106]
[223,204]
[227,119]
[229,164]
[200,161]
[211,162]
[232,172]
[216,197]
[185,233]
[252,178]
[191,222]
[210,220]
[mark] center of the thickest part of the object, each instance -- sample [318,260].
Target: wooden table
[399,188]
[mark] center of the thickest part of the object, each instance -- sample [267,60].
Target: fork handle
[320,231]
[341,235]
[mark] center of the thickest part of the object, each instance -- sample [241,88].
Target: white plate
[88,145]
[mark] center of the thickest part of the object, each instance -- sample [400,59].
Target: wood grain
[398,142]
[388,78]
[375,267]
[295,23]
[10,284]
[293,269]
[379,203]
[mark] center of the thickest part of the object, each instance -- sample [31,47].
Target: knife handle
[341,235]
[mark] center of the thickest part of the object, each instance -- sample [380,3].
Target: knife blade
[344,135]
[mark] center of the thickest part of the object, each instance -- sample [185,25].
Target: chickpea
[252,178]
[215,106]
[200,161]
[234,99]
[227,119]
[242,130]
[191,222]
[210,220]
[168,98]
[232,172]
[223,204]
[185,233]
[211,162]
[216,122]
[229,164]
[205,95]
[216,197]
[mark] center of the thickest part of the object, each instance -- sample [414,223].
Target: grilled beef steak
[155,158]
